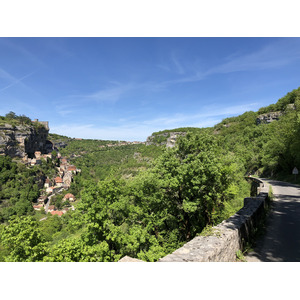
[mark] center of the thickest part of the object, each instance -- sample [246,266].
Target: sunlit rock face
[18,141]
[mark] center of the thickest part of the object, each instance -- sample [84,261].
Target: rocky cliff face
[23,139]
[269,117]
[167,138]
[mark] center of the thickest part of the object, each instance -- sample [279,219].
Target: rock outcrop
[269,117]
[17,141]
[166,138]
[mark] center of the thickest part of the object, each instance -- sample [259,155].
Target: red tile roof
[69,195]
[60,213]
[58,180]
[71,168]
[38,206]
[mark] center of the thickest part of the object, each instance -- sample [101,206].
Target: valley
[68,199]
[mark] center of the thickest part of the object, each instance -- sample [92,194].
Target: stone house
[72,168]
[47,183]
[58,181]
[51,208]
[49,190]
[38,206]
[52,189]
[42,199]
[63,161]
[67,179]
[35,161]
[69,197]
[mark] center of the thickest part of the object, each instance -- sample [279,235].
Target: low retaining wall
[227,237]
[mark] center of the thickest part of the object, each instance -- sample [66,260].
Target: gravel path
[281,241]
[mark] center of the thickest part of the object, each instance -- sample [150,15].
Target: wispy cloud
[178,65]
[274,55]
[139,130]
[14,81]
[21,51]
[208,115]
[109,94]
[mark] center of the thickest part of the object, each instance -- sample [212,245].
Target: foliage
[12,119]
[265,149]
[98,162]
[18,189]
[76,250]
[181,129]
[160,137]
[23,239]
[19,186]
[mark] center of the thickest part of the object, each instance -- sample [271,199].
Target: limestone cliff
[166,138]
[17,141]
[269,117]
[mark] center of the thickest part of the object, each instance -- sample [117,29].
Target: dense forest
[146,201]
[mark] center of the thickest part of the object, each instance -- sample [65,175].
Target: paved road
[281,241]
[48,203]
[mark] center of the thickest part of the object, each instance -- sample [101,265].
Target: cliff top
[14,120]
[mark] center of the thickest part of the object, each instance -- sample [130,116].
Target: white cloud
[110,94]
[140,130]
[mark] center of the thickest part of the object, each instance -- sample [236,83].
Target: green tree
[24,241]
[11,115]
[76,250]
[195,177]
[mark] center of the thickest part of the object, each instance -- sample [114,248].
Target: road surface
[48,203]
[281,241]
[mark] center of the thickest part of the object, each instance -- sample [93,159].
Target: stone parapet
[129,259]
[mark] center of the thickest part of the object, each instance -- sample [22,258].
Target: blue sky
[127,88]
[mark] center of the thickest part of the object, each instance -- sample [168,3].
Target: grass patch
[270,193]
[210,231]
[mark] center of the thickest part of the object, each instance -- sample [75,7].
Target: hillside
[146,201]
[99,159]
[168,137]
[265,140]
